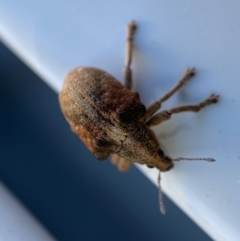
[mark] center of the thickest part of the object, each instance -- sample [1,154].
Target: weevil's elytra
[110,118]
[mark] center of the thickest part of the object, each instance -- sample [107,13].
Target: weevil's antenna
[194,159]
[160,196]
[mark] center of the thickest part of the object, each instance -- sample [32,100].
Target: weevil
[111,120]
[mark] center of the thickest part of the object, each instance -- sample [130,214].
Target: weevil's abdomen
[95,104]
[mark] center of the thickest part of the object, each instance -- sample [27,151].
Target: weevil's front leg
[155,106]
[166,115]
[121,163]
[129,49]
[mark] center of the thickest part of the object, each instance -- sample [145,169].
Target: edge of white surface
[13,43]
[16,223]
[197,215]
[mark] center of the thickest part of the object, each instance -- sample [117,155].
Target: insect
[111,120]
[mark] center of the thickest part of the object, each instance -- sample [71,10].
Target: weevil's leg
[160,196]
[166,115]
[121,163]
[115,159]
[155,106]
[128,58]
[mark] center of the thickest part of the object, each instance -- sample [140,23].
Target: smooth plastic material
[54,37]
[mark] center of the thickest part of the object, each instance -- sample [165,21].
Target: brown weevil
[111,120]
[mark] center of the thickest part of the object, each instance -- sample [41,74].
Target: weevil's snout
[162,162]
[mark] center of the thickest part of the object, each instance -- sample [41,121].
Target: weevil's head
[161,161]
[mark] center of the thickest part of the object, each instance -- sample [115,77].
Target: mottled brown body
[107,116]
[110,118]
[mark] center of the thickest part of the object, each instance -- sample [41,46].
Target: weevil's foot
[212,99]
[189,73]
[132,26]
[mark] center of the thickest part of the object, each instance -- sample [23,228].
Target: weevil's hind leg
[131,28]
[155,106]
[121,163]
[166,115]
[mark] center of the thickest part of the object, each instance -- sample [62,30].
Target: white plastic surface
[16,223]
[54,37]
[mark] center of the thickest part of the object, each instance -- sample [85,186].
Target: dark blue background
[75,196]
